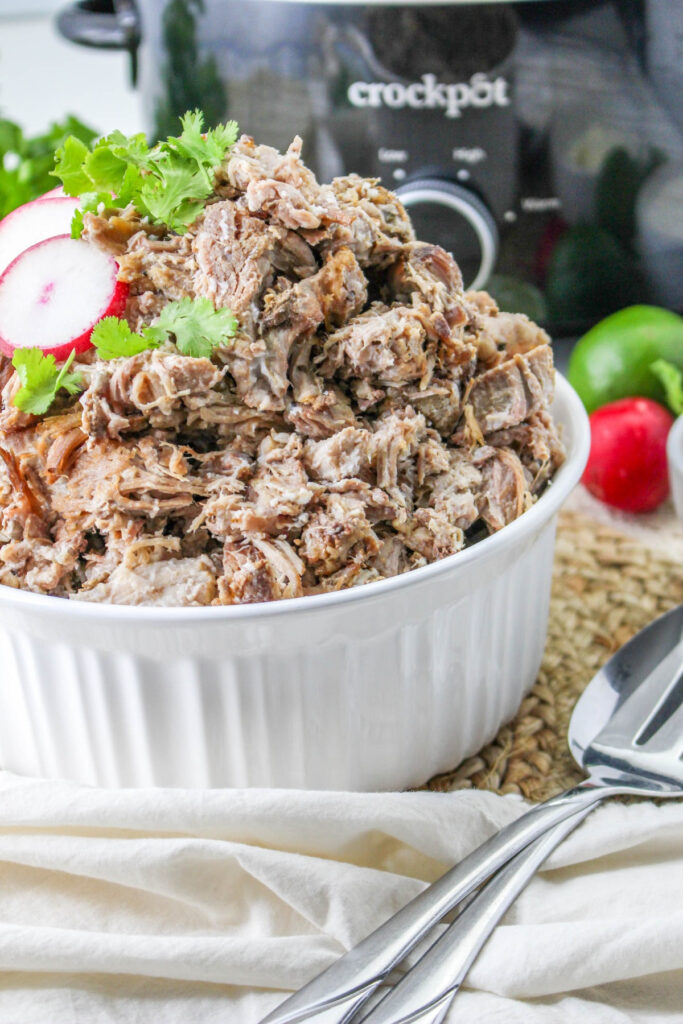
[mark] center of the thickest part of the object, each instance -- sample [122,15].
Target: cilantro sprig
[195,327]
[169,183]
[114,339]
[41,379]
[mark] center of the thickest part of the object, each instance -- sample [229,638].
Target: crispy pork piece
[176,582]
[387,346]
[338,534]
[511,392]
[237,257]
[374,225]
[280,185]
[427,273]
[260,366]
[503,494]
[156,389]
[259,569]
[538,445]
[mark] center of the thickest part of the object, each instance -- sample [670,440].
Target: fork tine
[641,707]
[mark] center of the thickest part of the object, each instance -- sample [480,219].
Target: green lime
[517,296]
[613,359]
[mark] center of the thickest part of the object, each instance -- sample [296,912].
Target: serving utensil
[644,737]
[626,732]
[424,994]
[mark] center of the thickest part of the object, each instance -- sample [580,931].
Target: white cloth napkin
[177,906]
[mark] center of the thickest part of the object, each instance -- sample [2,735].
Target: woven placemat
[606,586]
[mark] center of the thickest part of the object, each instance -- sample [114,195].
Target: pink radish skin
[53,294]
[43,218]
[59,192]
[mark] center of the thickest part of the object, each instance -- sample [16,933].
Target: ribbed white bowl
[374,688]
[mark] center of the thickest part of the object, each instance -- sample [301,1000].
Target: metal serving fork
[425,992]
[627,733]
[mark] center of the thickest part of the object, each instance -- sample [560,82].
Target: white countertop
[43,77]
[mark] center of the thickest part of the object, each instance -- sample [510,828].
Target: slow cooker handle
[116,28]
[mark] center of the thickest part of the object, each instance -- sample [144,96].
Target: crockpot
[519,134]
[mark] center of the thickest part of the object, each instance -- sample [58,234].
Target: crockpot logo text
[430,94]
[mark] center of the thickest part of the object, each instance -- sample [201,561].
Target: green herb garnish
[114,339]
[26,161]
[168,183]
[193,325]
[671,379]
[41,379]
[197,327]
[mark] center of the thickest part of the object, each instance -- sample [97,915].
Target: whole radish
[627,465]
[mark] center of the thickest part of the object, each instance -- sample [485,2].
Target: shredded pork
[369,416]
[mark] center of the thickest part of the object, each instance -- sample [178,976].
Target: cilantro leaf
[671,379]
[196,326]
[114,339]
[175,197]
[206,148]
[193,324]
[71,382]
[168,183]
[77,224]
[103,166]
[70,167]
[129,189]
[41,380]
[132,148]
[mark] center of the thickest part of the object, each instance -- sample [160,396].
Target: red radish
[627,463]
[53,294]
[31,223]
[59,191]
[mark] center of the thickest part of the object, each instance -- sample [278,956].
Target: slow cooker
[541,141]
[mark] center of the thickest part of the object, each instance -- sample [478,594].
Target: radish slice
[53,294]
[58,191]
[31,223]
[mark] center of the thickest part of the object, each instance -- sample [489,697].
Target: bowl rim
[567,476]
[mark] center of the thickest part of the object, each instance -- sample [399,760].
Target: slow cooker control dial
[455,218]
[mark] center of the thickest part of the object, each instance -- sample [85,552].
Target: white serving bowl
[674,451]
[372,688]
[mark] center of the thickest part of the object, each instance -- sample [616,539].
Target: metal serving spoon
[626,732]
[642,737]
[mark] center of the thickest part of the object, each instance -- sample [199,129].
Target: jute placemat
[606,586]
